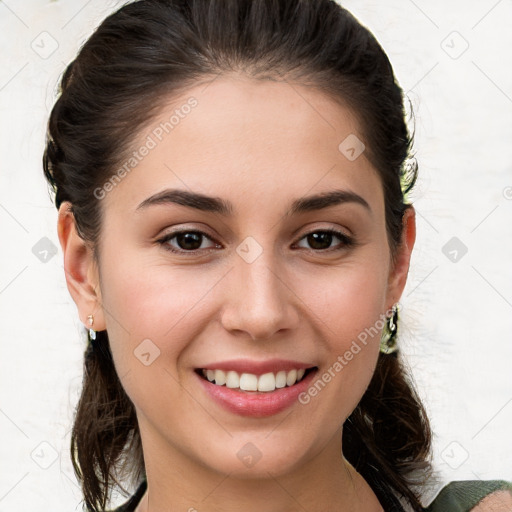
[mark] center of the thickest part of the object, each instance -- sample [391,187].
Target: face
[182,288]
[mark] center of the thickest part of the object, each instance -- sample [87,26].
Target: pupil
[191,240]
[313,239]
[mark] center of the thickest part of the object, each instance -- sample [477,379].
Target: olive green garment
[463,495]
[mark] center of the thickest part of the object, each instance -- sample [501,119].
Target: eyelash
[346,241]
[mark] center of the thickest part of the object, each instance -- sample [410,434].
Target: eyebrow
[218,205]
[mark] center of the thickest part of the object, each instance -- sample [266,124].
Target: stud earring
[92,332]
[388,342]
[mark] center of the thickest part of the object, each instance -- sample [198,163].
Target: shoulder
[498,501]
[473,496]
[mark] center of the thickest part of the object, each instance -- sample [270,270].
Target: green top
[456,496]
[462,496]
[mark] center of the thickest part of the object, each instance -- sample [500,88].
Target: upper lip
[257,367]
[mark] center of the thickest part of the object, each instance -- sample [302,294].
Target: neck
[325,482]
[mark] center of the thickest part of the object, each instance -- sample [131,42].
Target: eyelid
[346,240]
[163,240]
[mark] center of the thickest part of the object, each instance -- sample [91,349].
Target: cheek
[348,309]
[148,299]
[162,308]
[152,314]
[347,300]
[144,300]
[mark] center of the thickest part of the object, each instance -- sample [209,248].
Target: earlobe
[81,273]
[400,268]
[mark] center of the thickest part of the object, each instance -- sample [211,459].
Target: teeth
[251,382]
[281,379]
[291,378]
[266,382]
[232,380]
[248,382]
[219,377]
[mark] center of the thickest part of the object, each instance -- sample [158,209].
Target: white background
[457,316]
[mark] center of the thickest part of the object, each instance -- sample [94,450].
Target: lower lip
[256,404]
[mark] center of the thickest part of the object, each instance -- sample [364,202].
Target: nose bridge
[259,301]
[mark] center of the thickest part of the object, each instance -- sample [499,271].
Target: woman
[259,371]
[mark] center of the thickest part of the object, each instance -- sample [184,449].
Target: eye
[321,240]
[188,241]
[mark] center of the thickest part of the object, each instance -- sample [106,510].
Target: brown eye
[190,241]
[186,241]
[321,240]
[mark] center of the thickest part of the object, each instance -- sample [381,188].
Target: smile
[266,382]
[255,388]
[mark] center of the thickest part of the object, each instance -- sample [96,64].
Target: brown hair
[135,60]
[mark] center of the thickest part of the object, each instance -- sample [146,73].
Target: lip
[257,367]
[256,404]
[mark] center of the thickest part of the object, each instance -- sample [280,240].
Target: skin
[499,501]
[259,145]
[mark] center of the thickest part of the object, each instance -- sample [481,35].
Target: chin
[246,459]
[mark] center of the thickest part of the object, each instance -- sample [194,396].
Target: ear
[82,276]
[400,265]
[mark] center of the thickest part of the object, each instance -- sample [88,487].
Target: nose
[259,299]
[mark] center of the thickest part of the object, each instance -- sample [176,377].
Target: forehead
[246,138]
